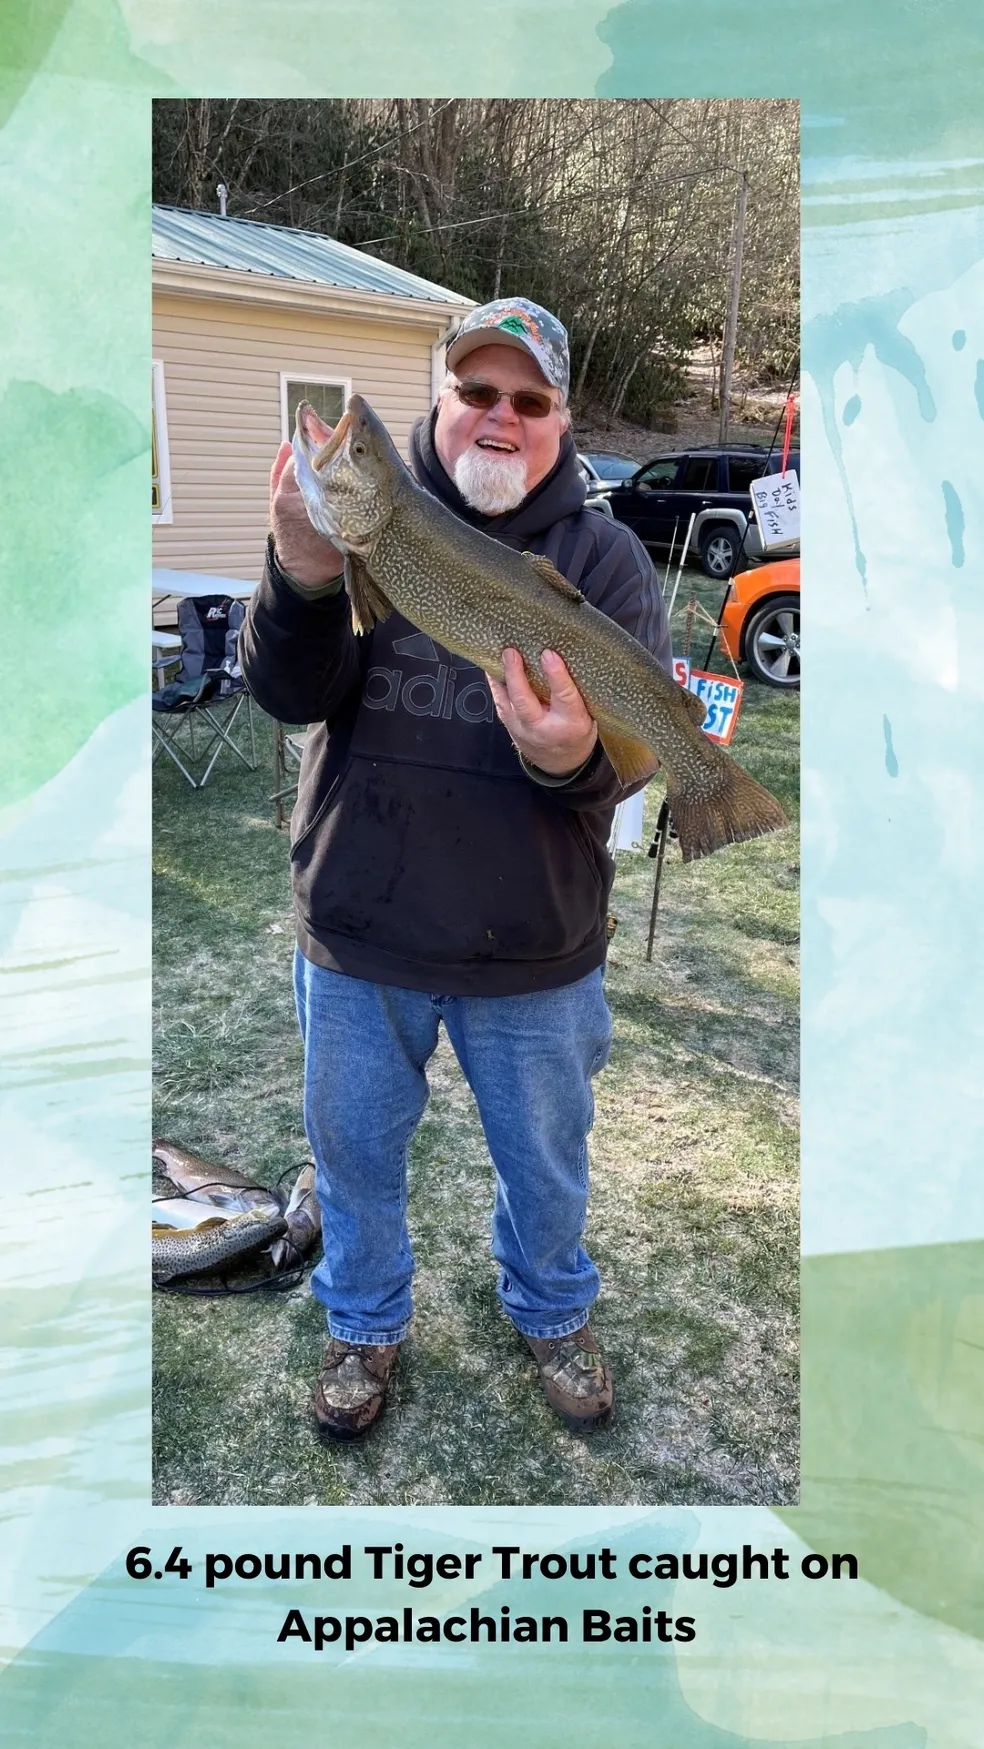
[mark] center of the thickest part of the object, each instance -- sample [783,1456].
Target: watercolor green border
[893,1207]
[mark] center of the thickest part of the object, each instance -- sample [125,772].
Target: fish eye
[358,449]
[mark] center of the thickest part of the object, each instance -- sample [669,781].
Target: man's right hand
[306,556]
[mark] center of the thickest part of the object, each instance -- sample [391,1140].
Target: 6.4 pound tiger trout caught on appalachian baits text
[405,550]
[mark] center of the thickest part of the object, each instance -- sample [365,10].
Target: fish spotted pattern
[407,551]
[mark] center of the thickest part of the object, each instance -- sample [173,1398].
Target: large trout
[205,1182]
[206,1227]
[212,1244]
[405,550]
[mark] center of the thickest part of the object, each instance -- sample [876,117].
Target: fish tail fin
[737,809]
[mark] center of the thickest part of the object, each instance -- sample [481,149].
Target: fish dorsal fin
[366,599]
[695,705]
[551,575]
[632,760]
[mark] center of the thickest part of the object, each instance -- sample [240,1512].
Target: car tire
[772,642]
[719,548]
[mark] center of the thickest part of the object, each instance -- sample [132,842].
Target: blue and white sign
[722,700]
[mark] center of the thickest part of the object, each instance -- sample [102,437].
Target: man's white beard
[490,481]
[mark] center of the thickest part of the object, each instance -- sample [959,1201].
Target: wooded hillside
[618,215]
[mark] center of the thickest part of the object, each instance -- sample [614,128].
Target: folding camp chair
[194,717]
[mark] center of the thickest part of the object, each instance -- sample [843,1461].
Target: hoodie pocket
[428,867]
[586,845]
[318,816]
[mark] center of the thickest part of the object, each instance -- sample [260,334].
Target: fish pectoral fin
[632,760]
[696,706]
[366,599]
[551,575]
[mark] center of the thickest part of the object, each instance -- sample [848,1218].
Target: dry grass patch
[693,1218]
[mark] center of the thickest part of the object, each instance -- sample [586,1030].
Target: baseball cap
[516,322]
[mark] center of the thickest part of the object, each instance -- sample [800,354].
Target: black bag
[184,695]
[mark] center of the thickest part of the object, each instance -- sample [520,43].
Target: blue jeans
[529,1062]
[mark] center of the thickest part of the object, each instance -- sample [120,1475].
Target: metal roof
[278,252]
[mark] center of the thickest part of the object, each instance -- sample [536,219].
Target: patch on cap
[517,322]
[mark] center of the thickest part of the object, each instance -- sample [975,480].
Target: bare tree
[616,214]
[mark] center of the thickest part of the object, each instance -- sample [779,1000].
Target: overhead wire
[339,169]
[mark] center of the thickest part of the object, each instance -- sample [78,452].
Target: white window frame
[299,375]
[159,414]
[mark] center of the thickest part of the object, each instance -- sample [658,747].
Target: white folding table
[181,584]
[166,648]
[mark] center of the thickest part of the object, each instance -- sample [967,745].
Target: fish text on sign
[776,499]
[782,504]
[719,697]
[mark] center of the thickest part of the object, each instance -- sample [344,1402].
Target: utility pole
[731,323]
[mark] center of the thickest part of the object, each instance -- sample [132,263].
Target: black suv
[710,484]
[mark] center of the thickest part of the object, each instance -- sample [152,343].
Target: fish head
[349,477]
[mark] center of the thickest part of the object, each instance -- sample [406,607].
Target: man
[450,863]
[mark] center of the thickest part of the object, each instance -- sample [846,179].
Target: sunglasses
[528,403]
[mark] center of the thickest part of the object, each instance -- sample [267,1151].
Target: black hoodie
[423,852]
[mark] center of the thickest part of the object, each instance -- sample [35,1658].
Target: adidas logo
[419,645]
[427,695]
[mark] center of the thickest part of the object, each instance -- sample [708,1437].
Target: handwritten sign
[722,699]
[777,508]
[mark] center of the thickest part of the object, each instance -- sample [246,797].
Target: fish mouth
[334,444]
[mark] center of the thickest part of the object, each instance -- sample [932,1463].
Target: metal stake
[658,850]
[669,556]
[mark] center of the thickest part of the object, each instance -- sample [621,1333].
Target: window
[700,474]
[160,498]
[327,396]
[742,470]
[660,474]
[792,464]
[613,467]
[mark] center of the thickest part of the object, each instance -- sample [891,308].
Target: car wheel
[772,642]
[719,549]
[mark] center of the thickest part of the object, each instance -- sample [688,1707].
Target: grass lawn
[694,1209]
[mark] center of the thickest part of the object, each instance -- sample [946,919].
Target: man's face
[497,457]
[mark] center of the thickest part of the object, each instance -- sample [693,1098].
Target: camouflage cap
[516,322]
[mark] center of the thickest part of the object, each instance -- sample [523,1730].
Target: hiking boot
[351,1388]
[577,1382]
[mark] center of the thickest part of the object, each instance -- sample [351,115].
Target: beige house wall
[222,367]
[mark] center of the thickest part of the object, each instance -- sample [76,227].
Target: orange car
[761,622]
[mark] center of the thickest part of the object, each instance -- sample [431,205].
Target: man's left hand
[558,736]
